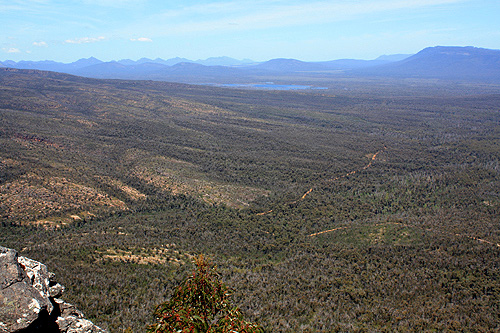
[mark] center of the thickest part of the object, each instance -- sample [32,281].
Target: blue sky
[312,30]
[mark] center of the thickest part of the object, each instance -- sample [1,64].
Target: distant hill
[67,67]
[85,62]
[288,65]
[293,65]
[393,57]
[117,70]
[440,62]
[40,65]
[444,62]
[346,64]
[53,66]
[187,72]
[223,61]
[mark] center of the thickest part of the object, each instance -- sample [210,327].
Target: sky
[308,30]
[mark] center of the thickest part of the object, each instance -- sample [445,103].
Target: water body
[267,86]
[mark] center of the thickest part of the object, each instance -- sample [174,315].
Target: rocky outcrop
[29,299]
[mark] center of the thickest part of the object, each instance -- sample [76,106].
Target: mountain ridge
[438,62]
[444,62]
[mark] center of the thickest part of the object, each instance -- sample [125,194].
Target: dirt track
[415,227]
[331,180]
[373,158]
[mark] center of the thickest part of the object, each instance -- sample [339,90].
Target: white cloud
[11,50]
[115,3]
[84,40]
[251,15]
[141,39]
[41,44]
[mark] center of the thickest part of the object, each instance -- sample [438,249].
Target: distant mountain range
[82,63]
[440,62]
[444,62]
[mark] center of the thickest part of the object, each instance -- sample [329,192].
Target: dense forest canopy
[370,206]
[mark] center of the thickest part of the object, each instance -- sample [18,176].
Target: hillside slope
[441,62]
[374,208]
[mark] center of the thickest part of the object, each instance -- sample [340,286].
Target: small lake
[267,86]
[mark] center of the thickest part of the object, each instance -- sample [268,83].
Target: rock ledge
[29,299]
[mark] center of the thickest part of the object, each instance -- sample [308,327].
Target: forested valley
[371,206]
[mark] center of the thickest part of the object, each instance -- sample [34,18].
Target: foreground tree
[201,304]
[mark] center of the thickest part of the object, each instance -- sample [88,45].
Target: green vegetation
[118,185]
[201,304]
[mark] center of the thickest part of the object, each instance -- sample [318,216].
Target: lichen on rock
[29,299]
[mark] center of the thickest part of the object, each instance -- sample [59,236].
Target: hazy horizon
[197,60]
[36,30]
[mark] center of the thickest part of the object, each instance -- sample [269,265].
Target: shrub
[201,304]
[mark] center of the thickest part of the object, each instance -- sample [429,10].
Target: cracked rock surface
[29,299]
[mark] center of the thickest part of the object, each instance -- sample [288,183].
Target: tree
[201,304]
